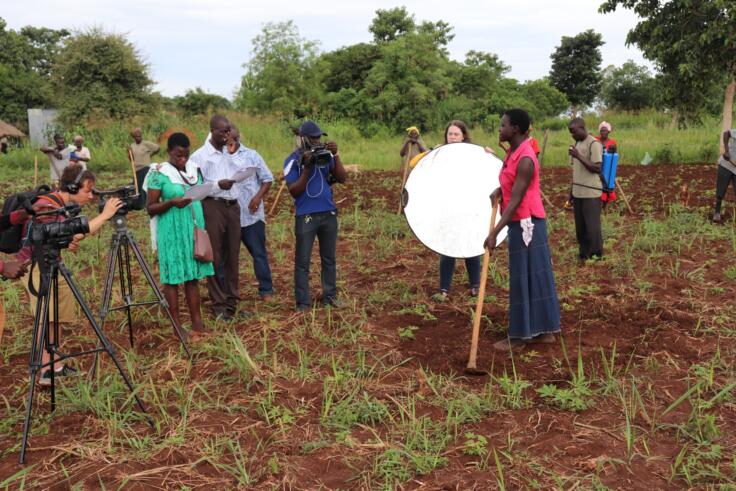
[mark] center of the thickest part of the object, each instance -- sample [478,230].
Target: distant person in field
[604,132]
[4,145]
[58,158]
[457,132]
[222,218]
[251,193]
[413,144]
[142,151]
[609,146]
[586,157]
[316,213]
[726,171]
[534,310]
[79,153]
[175,218]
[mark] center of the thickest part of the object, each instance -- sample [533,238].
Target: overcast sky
[190,43]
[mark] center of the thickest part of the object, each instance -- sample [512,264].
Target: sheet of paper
[243,174]
[200,191]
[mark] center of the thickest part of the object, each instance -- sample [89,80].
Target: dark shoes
[233,317]
[331,302]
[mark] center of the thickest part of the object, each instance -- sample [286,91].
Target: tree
[693,43]
[281,74]
[544,101]
[576,64]
[407,81]
[630,87]
[346,68]
[390,24]
[26,58]
[101,75]
[478,76]
[198,101]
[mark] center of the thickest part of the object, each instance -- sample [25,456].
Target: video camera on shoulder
[46,229]
[127,194]
[315,154]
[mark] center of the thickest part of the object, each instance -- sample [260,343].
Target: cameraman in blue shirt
[309,173]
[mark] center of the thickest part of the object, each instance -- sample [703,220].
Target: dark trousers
[588,226]
[254,239]
[323,226]
[140,175]
[723,179]
[222,221]
[447,269]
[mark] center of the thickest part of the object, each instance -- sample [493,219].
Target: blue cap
[310,128]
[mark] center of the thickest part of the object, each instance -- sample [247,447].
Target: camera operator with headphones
[309,173]
[75,187]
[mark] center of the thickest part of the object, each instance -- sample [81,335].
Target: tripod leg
[51,344]
[125,280]
[157,291]
[107,293]
[102,337]
[40,326]
[109,278]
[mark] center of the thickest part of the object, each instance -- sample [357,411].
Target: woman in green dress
[174,219]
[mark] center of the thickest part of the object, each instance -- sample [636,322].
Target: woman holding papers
[175,217]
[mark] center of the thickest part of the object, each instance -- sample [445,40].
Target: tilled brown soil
[648,317]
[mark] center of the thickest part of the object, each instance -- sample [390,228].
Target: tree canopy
[630,87]
[26,60]
[692,43]
[280,75]
[101,75]
[576,65]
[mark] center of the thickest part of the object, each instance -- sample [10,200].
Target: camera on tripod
[319,156]
[127,194]
[58,234]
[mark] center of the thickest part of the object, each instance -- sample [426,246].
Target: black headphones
[73,187]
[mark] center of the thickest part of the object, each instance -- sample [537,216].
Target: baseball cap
[310,128]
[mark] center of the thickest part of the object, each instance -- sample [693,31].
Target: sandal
[45,379]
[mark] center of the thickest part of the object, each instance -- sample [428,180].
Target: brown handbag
[202,245]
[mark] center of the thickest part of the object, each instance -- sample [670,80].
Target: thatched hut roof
[9,130]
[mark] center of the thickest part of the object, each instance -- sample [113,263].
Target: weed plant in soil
[638,393]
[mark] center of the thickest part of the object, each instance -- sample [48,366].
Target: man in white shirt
[222,217]
[252,215]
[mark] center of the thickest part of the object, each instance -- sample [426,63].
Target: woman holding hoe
[534,311]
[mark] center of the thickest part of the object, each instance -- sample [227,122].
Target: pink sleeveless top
[531,204]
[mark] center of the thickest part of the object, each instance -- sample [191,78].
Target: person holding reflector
[534,311]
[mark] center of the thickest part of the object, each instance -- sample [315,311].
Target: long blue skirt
[533,305]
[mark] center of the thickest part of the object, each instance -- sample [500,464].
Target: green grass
[637,134]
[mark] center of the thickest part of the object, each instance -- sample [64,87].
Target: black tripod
[49,262]
[122,244]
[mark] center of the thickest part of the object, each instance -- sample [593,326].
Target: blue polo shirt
[317,197]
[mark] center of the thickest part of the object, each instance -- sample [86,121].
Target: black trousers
[588,227]
[222,221]
[723,179]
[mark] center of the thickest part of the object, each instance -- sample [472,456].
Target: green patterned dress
[175,236]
